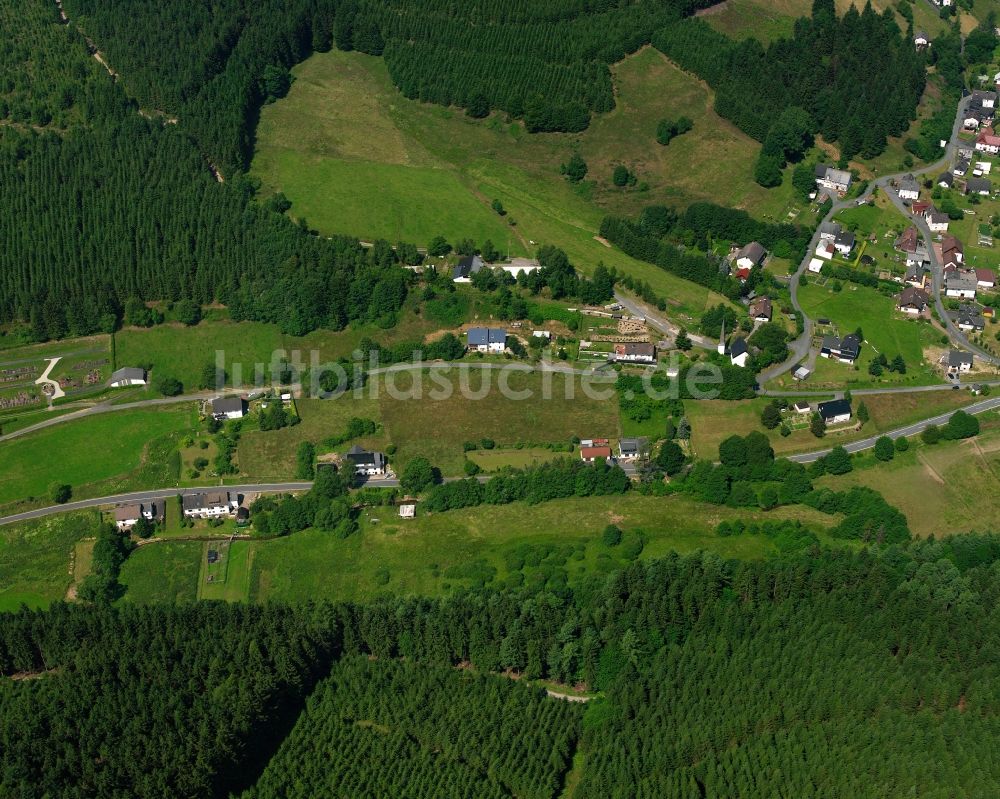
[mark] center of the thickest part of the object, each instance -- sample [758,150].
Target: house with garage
[487,339]
[985,278]
[595,454]
[835,411]
[826,250]
[969,318]
[760,309]
[635,352]
[128,376]
[959,361]
[466,267]
[739,353]
[126,516]
[913,301]
[988,142]
[981,186]
[750,255]
[229,408]
[369,464]
[845,350]
[210,504]
[961,284]
[936,220]
[909,189]
[837,180]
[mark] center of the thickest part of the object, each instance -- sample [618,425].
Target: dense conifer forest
[793,676]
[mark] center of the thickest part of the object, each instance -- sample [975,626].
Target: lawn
[952,487]
[437,428]
[162,573]
[712,421]
[93,453]
[350,152]
[490,460]
[436,553]
[230,574]
[886,331]
[36,559]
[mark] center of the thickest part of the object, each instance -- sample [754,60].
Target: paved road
[639,308]
[800,347]
[909,430]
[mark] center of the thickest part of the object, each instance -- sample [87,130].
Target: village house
[466,267]
[838,180]
[630,448]
[209,504]
[913,301]
[487,339]
[909,189]
[835,411]
[829,231]
[916,276]
[988,142]
[126,516]
[128,376]
[635,352]
[985,278]
[946,180]
[229,408]
[844,242]
[760,309]
[826,250]
[911,243]
[984,99]
[845,350]
[920,207]
[961,284]
[952,253]
[921,40]
[981,186]
[968,318]
[959,361]
[739,354]
[594,454]
[936,220]
[961,167]
[750,255]
[366,463]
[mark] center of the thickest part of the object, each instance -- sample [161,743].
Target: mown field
[347,149]
[712,421]
[92,454]
[950,487]
[165,572]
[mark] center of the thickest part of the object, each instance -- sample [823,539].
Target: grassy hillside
[353,155]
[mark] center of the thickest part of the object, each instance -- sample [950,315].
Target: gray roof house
[229,408]
[968,317]
[978,186]
[467,266]
[959,359]
[753,253]
[492,338]
[630,447]
[946,180]
[829,230]
[366,462]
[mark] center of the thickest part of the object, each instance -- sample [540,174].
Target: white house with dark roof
[835,411]
[739,354]
[128,376]
[969,318]
[487,339]
[838,180]
[909,189]
[936,220]
[370,464]
[845,350]
[959,361]
[750,255]
[630,448]
[210,504]
[229,408]
[844,242]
